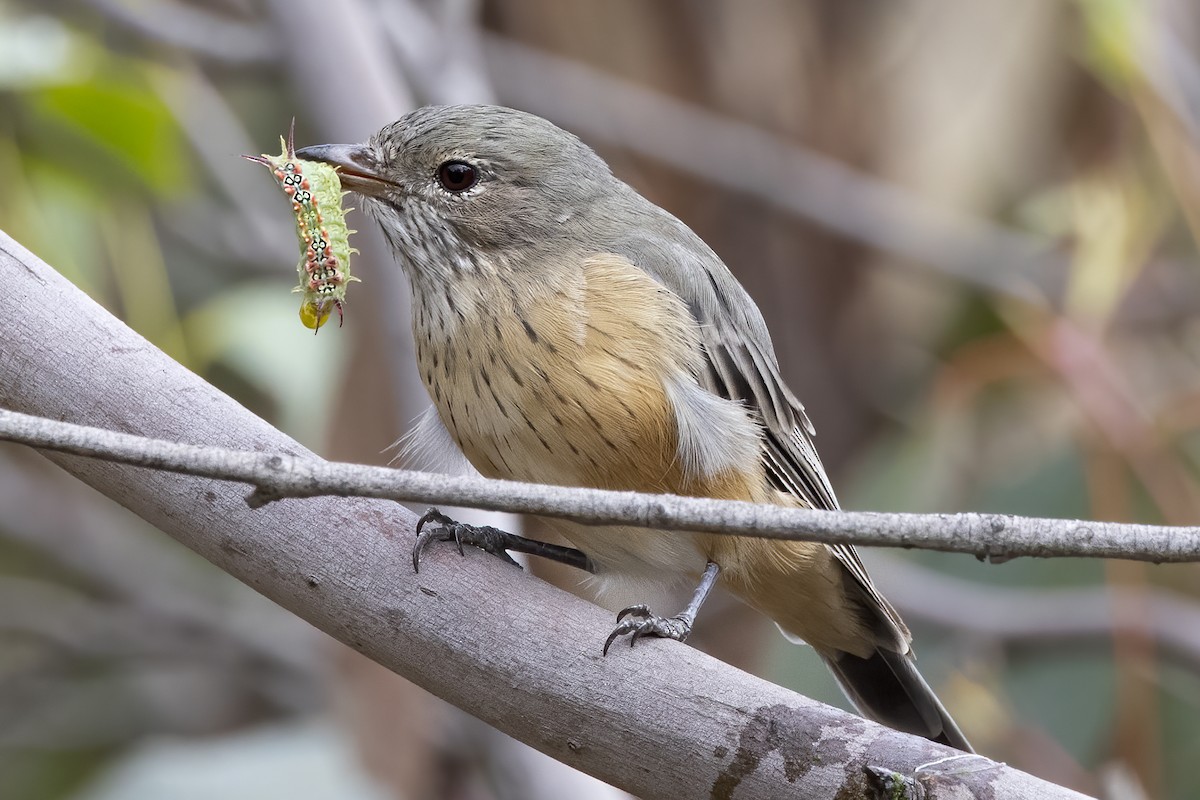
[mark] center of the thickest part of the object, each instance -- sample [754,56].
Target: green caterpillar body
[324,266]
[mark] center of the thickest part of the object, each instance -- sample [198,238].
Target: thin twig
[278,475]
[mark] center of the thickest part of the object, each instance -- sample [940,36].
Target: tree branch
[280,475]
[518,653]
[1017,615]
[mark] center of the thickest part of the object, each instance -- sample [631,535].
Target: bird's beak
[355,164]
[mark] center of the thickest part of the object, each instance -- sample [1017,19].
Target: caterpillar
[316,195]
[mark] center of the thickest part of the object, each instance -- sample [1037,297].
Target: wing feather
[741,365]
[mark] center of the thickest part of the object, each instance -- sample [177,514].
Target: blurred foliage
[109,129]
[1066,386]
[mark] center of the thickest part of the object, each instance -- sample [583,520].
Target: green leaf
[115,114]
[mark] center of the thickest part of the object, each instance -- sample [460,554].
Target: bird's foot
[491,540]
[444,529]
[639,621]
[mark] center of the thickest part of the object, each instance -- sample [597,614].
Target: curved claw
[638,633]
[677,627]
[423,538]
[488,539]
[432,515]
[620,630]
[639,610]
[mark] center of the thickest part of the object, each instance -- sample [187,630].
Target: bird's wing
[741,366]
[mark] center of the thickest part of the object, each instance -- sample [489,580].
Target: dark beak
[355,164]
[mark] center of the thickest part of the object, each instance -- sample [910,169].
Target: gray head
[454,187]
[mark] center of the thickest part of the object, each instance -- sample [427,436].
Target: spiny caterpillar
[316,195]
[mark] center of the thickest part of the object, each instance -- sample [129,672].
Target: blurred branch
[74,623]
[379,94]
[1108,399]
[59,644]
[743,158]
[1031,614]
[1167,58]
[202,33]
[218,137]
[153,588]
[443,56]
[278,475]
[465,638]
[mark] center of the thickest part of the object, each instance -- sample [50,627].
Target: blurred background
[971,227]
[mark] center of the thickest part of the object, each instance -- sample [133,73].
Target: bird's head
[464,188]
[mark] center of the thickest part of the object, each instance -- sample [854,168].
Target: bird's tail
[888,688]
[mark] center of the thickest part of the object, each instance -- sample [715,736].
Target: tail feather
[888,688]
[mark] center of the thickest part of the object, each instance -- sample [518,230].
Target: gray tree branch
[281,475]
[661,720]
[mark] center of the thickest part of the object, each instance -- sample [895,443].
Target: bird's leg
[491,540]
[638,620]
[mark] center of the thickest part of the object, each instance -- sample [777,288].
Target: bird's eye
[457,176]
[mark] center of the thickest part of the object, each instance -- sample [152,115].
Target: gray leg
[490,540]
[638,620]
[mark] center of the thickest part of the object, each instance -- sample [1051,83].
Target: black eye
[457,176]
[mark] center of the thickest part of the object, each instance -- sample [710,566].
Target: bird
[571,332]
